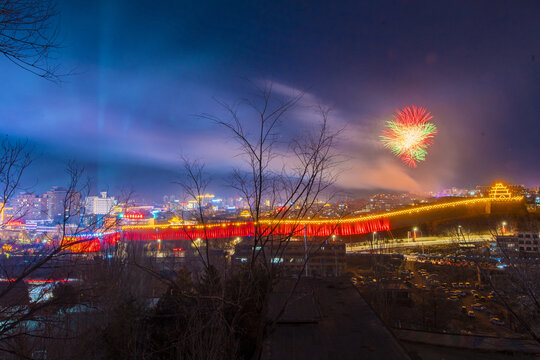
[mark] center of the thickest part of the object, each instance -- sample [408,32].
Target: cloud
[378,175]
[364,163]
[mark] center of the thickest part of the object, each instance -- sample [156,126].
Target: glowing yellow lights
[176,221]
[417,209]
[206,196]
[499,191]
[197,243]
[245,214]
[410,211]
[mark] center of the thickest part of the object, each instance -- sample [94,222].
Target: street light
[372,240]
[503,227]
[414,232]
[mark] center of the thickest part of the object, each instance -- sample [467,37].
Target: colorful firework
[409,134]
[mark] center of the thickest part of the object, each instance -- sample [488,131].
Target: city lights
[297,227]
[175,229]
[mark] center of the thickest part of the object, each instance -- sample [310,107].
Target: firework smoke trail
[409,134]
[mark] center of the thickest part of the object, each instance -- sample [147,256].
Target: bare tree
[513,277]
[282,179]
[28,35]
[15,158]
[515,285]
[289,174]
[221,314]
[194,183]
[56,260]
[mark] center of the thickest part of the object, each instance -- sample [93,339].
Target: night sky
[141,72]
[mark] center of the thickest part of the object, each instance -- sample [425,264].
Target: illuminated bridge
[499,199]
[323,227]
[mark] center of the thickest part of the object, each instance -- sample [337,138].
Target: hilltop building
[500,190]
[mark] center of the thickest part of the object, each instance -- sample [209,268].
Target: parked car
[496,321]
[470,314]
[479,307]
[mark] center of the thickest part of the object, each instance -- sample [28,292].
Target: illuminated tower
[499,191]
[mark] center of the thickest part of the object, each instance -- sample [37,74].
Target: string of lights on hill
[296,227]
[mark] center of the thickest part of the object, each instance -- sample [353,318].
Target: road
[421,241]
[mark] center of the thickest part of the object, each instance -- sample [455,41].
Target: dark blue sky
[142,70]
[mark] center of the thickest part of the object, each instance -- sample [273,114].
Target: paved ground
[327,319]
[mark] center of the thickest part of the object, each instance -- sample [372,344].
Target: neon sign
[133,216]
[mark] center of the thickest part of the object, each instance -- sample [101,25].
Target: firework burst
[409,134]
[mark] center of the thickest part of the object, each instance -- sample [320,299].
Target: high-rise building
[60,202]
[55,202]
[28,206]
[100,205]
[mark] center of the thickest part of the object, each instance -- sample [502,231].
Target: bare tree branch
[28,35]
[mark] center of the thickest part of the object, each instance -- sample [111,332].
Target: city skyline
[225,200]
